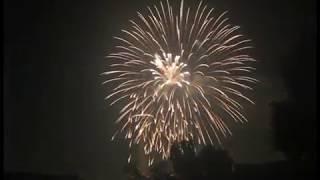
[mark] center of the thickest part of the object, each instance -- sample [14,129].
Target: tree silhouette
[287,129]
[132,172]
[294,119]
[215,163]
[184,162]
[161,170]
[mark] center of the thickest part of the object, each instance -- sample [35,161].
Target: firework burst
[178,72]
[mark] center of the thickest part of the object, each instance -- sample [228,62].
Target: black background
[55,118]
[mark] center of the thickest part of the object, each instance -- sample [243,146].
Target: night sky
[55,118]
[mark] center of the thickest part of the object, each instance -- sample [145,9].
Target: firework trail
[177,73]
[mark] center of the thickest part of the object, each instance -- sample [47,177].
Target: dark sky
[55,118]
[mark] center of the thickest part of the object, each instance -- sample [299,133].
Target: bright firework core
[170,70]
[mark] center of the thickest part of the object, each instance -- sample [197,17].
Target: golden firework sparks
[177,71]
